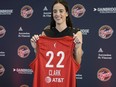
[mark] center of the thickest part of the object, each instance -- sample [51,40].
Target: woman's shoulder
[47,31]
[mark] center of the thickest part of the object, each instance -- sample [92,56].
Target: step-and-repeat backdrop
[21,19]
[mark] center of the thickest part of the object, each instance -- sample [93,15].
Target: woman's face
[59,13]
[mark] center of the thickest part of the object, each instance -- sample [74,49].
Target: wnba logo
[2,69]
[26,11]
[47,79]
[2,31]
[105,32]
[104,74]
[78,10]
[23,51]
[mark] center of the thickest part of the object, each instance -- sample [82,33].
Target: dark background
[91,20]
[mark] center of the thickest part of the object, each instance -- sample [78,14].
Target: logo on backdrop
[79,76]
[104,74]
[22,71]
[6,11]
[21,33]
[105,32]
[2,70]
[102,55]
[78,10]
[105,10]
[26,11]
[24,85]
[23,51]
[46,12]
[85,31]
[2,31]
[2,53]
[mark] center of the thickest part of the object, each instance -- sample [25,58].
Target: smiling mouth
[1,34]
[58,19]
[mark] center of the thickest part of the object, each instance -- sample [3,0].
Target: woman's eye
[61,11]
[54,11]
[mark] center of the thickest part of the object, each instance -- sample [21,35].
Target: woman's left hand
[77,39]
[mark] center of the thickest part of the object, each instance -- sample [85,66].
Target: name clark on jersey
[54,73]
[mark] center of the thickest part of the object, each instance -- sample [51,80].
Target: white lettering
[54,72]
[58,80]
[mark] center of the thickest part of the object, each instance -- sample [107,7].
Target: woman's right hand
[33,40]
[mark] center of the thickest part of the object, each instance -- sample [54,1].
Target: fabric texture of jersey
[54,65]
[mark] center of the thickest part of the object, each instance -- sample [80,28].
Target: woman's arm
[78,47]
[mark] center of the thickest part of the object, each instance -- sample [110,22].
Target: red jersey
[54,65]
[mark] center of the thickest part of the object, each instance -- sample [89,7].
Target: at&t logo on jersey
[50,79]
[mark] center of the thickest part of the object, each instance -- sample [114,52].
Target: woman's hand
[77,40]
[33,40]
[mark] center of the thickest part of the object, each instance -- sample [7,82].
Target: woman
[60,26]
[63,76]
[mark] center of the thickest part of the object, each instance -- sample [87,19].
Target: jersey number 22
[51,55]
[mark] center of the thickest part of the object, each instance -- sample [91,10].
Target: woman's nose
[57,13]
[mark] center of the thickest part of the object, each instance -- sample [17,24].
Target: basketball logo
[2,70]
[105,32]
[23,51]
[2,31]
[26,11]
[104,74]
[78,10]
